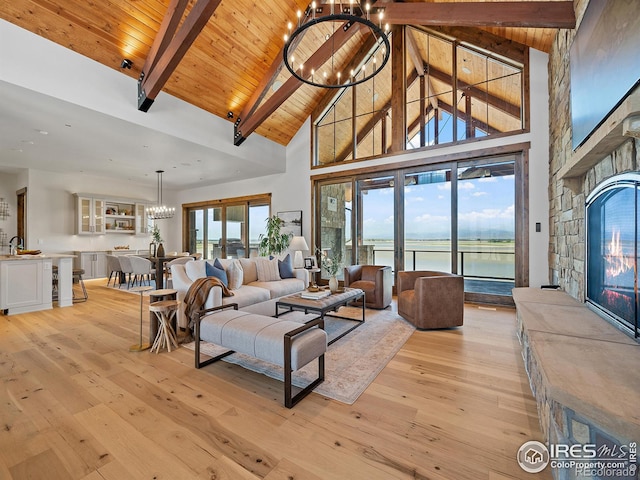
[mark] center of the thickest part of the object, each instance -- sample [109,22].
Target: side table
[157,296]
[140,346]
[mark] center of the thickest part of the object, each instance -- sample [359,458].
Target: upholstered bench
[286,343]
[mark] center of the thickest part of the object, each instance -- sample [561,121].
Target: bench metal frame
[289,399]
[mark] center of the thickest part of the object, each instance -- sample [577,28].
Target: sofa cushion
[249,270]
[196,269]
[219,273]
[247,295]
[268,270]
[286,286]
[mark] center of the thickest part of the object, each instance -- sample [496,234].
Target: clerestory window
[454,92]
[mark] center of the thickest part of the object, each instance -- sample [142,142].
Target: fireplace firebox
[613,219]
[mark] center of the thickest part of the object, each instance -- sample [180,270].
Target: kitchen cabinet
[90,215]
[120,217]
[144,226]
[97,216]
[94,264]
[25,285]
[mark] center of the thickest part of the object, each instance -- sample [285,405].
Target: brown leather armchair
[374,280]
[431,299]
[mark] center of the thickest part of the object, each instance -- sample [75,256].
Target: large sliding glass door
[427,220]
[486,226]
[456,217]
[376,220]
[335,223]
[227,229]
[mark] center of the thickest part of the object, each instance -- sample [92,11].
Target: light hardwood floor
[76,404]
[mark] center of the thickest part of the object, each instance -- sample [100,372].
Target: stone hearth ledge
[577,360]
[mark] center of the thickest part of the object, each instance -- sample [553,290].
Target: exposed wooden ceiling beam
[483,14]
[168,28]
[246,126]
[151,83]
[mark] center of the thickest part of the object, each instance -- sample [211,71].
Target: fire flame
[617,262]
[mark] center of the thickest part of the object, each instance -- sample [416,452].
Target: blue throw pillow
[286,267]
[217,272]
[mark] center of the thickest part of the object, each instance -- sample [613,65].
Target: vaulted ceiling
[234,61]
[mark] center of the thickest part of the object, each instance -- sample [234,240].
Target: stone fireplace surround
[572,355]
[583,371]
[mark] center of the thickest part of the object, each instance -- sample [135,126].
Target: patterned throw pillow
[235,275]
[268,270]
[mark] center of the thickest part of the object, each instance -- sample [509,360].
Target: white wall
[539,170]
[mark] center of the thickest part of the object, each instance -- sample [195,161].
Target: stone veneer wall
[567,247]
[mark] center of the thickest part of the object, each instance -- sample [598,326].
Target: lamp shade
[298,243]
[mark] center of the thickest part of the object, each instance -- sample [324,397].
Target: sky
[485,210]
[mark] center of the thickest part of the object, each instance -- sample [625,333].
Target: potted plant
[274,242]
[331,265]
[158,249]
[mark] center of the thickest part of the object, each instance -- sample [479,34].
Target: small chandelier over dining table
[320,50]
[160,211]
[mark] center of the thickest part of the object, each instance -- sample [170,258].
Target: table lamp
[297,245]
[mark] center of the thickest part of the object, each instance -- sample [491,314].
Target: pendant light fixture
[160,211]
[318,50]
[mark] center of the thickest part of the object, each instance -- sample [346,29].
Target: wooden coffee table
[323,306]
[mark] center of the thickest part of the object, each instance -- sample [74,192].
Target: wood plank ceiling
[235,57]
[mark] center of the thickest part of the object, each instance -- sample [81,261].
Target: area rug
[351,363]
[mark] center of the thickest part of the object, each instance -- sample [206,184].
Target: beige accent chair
[430,299]
[376,282]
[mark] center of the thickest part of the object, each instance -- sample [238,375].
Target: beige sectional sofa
[248,291]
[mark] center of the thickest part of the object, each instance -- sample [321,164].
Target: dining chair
[126,268]
[114,269]
[140,268]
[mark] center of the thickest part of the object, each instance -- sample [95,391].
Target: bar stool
[165,311]
[77,274]
[54,283]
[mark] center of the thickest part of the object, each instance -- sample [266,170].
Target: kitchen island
[26,282]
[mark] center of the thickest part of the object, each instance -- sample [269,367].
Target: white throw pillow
[196,269]
[268,270]
[235,275]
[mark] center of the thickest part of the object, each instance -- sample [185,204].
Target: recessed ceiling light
[43,132]
[466,70]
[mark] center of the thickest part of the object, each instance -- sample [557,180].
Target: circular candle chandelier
[312,52]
